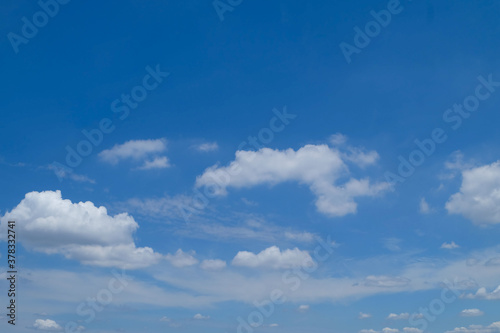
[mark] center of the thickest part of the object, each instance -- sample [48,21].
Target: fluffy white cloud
[320,167]
[47,325]
[364,315]
[199,316]
[482,293]
[471,313]
[78,231]
[273,257]
[133,149]
[449,246]
[182,259]
[213,264]
[206,147]
[479,196]
[401,316]
[493,328]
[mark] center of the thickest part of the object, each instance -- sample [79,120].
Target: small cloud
[305,237]
[274,325]
[199,316]
[207,147]
[249,202]
[386,281]
[62,172]
[337,139]
[136,150]
[157,163]
[392,244]
[401,316]
[46,325]
[424,207]
[364,315]
[165,319]
[303,308]
[450,246]
[471,313]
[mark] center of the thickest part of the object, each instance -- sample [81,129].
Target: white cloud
[273,257]
[207,147]
[182,259]
[482,293]
[213,264]
[493,262]
[47,325]
[133,149]
[303,308]
[449,246]
[63,172]
[364,315]
[493,328]
[394,330]
[156,163]
[479,196]
[320,167]
[401,316]
[424,207]
[471,313]
[412,330]
[78,231]
[390,330]
[199,316]
[165,319]
[337,139]
[305,237]
[386,281]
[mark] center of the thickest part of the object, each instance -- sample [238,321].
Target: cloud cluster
[46,325]
[320,167]
[493,328]
[482,293]
[80,231]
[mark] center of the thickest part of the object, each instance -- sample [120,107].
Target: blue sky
[237,151]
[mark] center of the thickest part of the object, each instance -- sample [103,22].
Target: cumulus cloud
[493,328]
[401,316]
[213,264]
[320,167]
[207,147]
[449,246]
[182,259]
[272,257]
[78,231]
[46,325]
[471,313]
[479,196]
[138,150]
[482,293]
